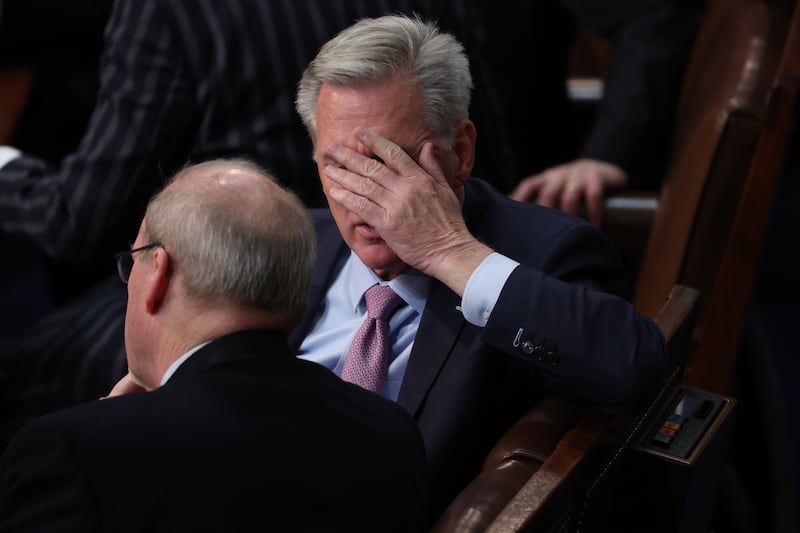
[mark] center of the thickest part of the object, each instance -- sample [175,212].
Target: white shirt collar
[179,361]
[7,154]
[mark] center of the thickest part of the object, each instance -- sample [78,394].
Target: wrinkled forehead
[391,110]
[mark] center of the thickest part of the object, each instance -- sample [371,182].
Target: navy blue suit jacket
[243,437]
[554,329]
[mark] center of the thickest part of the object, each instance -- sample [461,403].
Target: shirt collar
[411,285]
[179,361]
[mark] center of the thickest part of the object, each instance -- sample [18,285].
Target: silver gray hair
[249,248]
[377,50]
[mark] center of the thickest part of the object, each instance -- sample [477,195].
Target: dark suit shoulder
[237,439]
[530,233]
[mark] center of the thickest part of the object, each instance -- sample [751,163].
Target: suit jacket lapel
[439,328]
[441,323]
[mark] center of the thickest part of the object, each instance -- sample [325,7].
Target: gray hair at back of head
[248,248]
[375,50]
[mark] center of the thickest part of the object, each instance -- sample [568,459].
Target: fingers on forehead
[389,153]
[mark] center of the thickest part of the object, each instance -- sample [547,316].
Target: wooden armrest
[547,496]
[537,433]
[627,221]
[676,319]
[510,464]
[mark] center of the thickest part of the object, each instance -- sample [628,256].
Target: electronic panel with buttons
[681,426]
[670,473]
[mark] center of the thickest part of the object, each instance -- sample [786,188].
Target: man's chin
[381,260]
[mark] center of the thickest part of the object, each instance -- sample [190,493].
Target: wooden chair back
[734,119]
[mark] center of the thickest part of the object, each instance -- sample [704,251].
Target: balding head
[237,236]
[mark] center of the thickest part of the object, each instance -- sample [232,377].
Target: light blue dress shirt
[343,310]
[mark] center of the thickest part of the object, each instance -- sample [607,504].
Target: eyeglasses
[125,261]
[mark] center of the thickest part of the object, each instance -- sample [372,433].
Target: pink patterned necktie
[368,357]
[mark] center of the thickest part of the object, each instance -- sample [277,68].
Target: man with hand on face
[234,433]
[500,302]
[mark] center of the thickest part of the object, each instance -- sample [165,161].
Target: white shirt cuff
[484,286]
[8,153]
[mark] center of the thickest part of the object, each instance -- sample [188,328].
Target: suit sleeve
[142,110]
[43,487]
[588,345]
[651,41]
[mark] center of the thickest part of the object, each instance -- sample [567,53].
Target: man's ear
[464,149]
[158,280]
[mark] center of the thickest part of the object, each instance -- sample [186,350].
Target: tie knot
[381,301]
